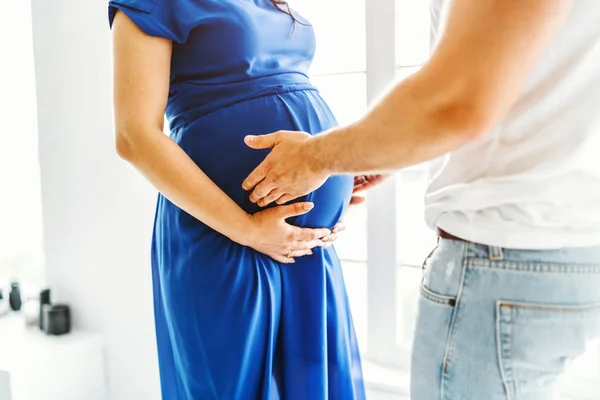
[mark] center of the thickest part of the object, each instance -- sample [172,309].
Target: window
[339,71]
[21,254]
[362,47]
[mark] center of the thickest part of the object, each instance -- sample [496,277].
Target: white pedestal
[34,366]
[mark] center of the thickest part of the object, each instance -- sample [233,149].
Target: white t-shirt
[534,181]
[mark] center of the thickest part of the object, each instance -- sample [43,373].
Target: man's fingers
[362,187]
[365,182]
[255,177]
[262,141]
[293,210]
[271,197]
[286,198]
[360,180]
[261,191]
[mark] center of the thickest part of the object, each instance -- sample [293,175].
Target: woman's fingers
[282,258]
[340,227]
[300,253]
[292,210]
[308,244]
[331,238]
[289,257]
[308,234]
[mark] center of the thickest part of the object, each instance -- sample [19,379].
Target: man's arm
[486,53]
[488,50]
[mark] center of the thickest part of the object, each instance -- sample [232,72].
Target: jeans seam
[549,307]
[504,373]
[452,326]
[538,267]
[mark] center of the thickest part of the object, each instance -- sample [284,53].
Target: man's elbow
[469,121]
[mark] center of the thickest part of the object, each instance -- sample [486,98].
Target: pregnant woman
[249,304]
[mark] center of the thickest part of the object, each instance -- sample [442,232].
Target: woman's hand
[273,236]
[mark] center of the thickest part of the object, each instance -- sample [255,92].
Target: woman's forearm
[180,180]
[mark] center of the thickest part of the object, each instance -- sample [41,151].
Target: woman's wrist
[246,232]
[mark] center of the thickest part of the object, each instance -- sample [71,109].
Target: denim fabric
[501,324]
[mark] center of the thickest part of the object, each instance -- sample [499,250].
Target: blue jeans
[502,324]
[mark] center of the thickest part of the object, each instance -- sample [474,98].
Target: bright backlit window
[21,255]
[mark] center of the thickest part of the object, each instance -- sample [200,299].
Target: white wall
[97,210]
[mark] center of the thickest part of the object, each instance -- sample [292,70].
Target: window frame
[382,290]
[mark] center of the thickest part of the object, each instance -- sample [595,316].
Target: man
[508,106]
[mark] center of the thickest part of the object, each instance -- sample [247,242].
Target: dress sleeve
[170,19]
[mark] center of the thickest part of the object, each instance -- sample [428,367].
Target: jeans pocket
[437,298]
[536,341]
[427,282]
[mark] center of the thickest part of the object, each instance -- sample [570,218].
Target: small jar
[57,319]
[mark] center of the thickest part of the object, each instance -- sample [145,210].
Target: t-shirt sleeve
[170,19]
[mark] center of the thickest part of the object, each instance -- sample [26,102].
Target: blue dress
[231,323]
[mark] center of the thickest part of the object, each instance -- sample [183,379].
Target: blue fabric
[501,324]
[232,323]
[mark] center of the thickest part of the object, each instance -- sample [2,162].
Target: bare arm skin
[488,50]
[141,84]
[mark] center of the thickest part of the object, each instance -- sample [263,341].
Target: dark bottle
[44,300]
[14,298]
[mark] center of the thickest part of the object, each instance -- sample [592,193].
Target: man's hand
[288,172]
[365,182]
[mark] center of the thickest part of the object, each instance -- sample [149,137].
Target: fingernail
[308,206]
[311,253]
[334,230]
[249,138]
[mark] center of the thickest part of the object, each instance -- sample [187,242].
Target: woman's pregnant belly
[215,143]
